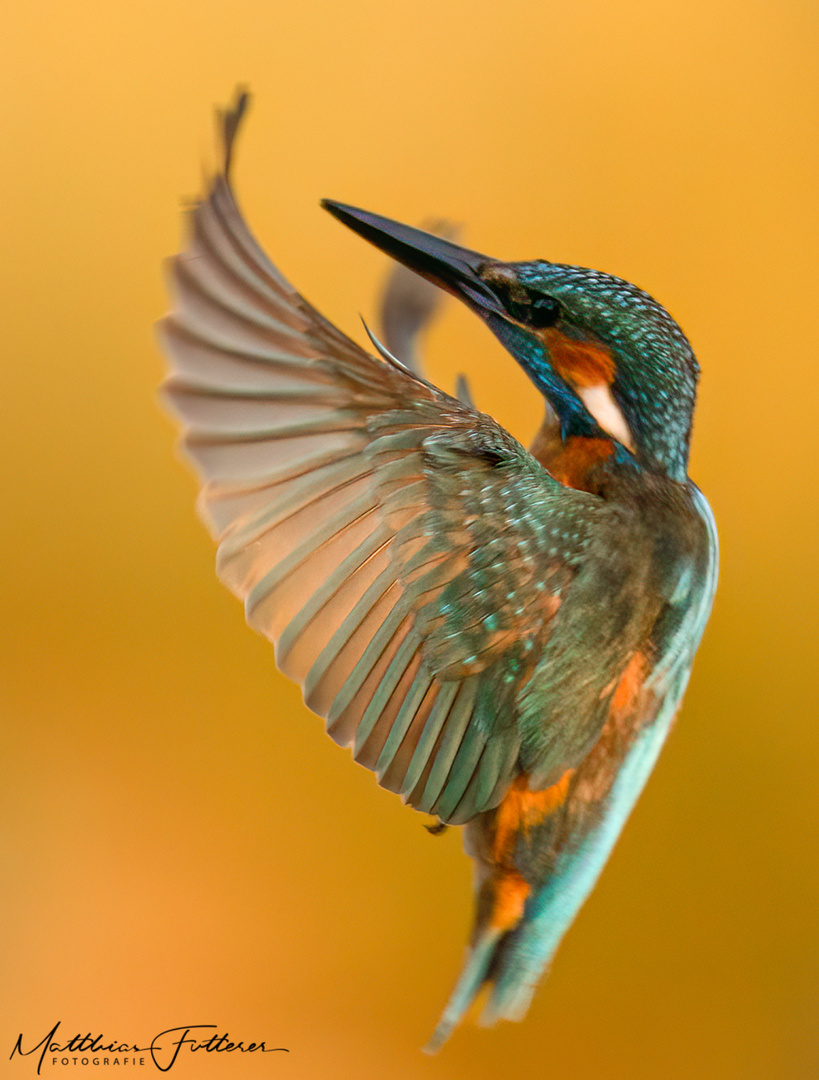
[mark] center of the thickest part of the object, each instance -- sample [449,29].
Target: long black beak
[447,265]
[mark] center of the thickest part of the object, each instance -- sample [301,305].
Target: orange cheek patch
[583,363]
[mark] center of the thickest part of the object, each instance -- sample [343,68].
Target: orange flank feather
[509,901]
[520,811]
[580,363]
[625,695]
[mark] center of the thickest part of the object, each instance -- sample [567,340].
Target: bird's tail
[537,862]
[474,975]
[511,961]
[508,843]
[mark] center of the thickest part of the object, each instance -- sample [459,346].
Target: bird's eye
[534,309]
[543,311]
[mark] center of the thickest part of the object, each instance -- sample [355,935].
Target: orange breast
[573,462]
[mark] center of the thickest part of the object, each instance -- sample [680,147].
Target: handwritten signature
[163,1054]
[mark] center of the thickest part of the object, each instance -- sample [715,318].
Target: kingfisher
[502,636]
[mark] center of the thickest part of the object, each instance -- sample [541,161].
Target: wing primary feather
[432,729]
[197,362]
[236,233]
[347,356]
[386,688]
[217,321]
[403,719]
[308,495]
[375,593]
[364,553]
[251,461]
[228,122]
[300,554]
[214,244]
[478,793]
[451,737]
[326,423]
[461,772]
[226,505]
[210,300]
[233,415]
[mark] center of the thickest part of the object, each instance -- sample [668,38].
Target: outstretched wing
[403,552]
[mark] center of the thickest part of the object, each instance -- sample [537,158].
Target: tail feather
[474,975]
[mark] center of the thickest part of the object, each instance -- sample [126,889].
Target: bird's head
[610,360]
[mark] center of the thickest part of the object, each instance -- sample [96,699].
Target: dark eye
[543,311]
[534,309]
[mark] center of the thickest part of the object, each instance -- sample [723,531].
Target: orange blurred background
[181,843]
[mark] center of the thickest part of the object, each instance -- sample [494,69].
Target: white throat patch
[608,414]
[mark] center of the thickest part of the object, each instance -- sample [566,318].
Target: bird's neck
[578,462]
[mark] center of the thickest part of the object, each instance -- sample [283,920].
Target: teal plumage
[502,636]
